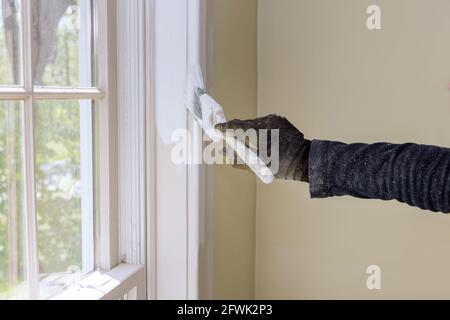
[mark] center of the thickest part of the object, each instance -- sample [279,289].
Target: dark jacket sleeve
[418,175]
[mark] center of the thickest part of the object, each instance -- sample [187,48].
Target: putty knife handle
[253,162]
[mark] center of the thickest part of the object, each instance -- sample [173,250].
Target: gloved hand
[293,147]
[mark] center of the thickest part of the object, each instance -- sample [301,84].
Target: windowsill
[123,282]
[55,283]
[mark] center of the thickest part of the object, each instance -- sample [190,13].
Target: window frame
[179,239]
[107,242]
[178,248]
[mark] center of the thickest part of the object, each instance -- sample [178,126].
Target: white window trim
[168,211]
[178,227]
[86,139]
[123,282]
[122,242]
[108,242]
[29,160]
[122,148]
[131,128]
[178,246]
[175,245]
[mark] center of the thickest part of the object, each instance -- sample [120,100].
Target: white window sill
[123,282]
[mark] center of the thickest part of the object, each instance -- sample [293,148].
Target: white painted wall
[320,67]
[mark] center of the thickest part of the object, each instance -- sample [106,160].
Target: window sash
[103,29]
[40,93]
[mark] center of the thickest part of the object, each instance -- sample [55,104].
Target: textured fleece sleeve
[418,175]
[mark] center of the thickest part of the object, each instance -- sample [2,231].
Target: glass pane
[62,43]
[10,43]
[64,186]
[12,239]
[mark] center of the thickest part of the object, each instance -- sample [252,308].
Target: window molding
[87,164]
[121,146]
[174,245]
[51,93]
[125,282]
[164,219]
[120,278]
[108,255]
[179,242]
[32,259]
[131,128]
[169,72]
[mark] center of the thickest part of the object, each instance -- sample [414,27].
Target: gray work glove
[293,147]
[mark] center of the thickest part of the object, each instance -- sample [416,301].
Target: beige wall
[232,74]
[322,68]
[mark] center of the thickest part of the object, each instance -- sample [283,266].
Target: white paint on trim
[171,180]
[179,256]
[108,245]
[86,141]
[32,260]
[113,285]
[131,126]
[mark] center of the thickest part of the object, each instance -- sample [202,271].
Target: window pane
[62,50]
[64,186]
[12,240]
[10,43]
